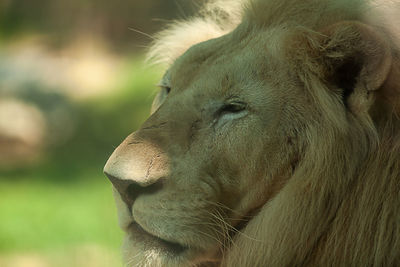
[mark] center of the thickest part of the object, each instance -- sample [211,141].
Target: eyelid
[225,114]
[231,108]
[163,85]
[235,103]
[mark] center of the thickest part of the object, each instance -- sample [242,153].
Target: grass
[57,220]
[36,214]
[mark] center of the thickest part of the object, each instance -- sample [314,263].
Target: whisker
[128,262]
[142,33]
[224,207]
[232,228]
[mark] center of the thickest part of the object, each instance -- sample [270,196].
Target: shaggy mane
[215,18]
[219,17]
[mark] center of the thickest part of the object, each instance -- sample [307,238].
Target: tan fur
[307,175]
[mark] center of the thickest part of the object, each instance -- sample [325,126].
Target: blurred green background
[72,86]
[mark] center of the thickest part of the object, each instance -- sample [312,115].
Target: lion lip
[145,236]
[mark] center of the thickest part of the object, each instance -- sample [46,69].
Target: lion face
[220,142]
[276,144]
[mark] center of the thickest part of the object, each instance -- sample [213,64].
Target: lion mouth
[141,235]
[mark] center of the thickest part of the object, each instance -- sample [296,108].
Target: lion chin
[274,139]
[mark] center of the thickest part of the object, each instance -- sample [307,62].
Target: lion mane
[341,204]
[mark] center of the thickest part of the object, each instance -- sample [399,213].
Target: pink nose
[136,168]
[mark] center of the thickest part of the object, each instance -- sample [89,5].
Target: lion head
[274,141]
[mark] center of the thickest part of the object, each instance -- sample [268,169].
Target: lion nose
[136,168]
[130,189]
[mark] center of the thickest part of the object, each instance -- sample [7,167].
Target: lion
[274,140]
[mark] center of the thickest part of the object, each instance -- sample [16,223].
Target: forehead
[220,63]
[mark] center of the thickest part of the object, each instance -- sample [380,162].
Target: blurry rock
[22,132]
[81,70]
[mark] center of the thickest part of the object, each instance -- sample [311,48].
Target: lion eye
[167,89]
[160,97]
[229,112]
[232,108]
[164,92]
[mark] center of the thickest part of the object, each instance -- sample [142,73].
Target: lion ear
[357,59]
